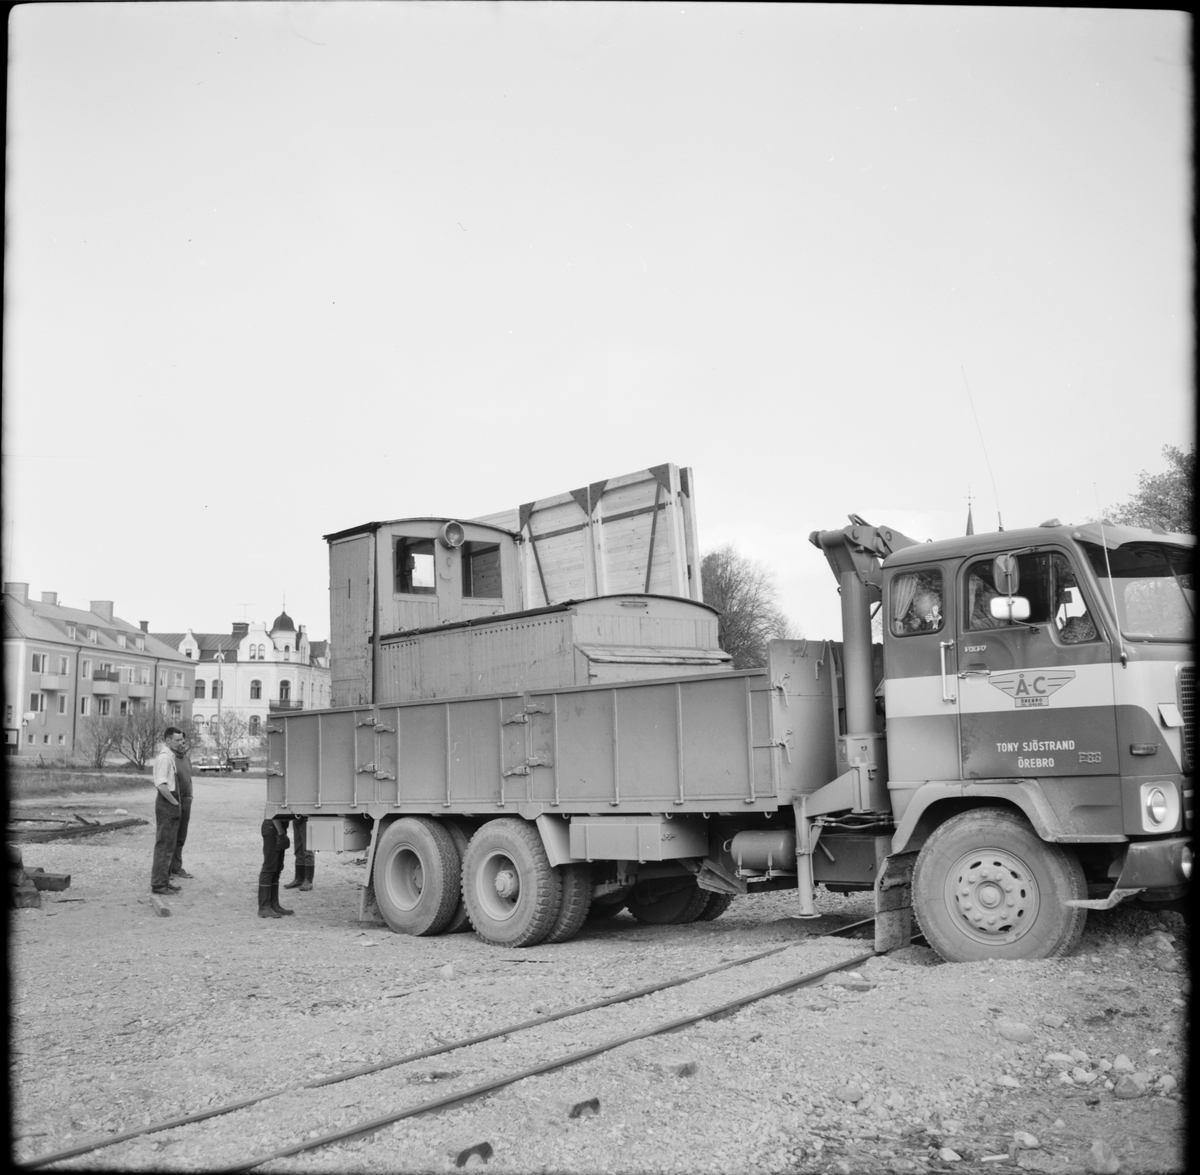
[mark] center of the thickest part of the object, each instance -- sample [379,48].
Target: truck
[534,724]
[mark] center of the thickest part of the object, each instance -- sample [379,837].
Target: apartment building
[254,670]
[64,665]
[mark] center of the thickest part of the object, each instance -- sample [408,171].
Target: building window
[126,674]
[124,707]
[62,739]
[414,567]
[62,703]
[217,690]
[104,707]
[92,635]
[162,679]
[285,690]
[177,678]
[198,692]
[85,705]
[187,653]
[8,715]
[256,691]
[143,675]
[301,684]
[37,703]
[481,570]
[253,653]
[38,663]
[45,739]
[255,724]
[121,640]
[176,710]
[31,738]
[262,652]
[72,632]
[64,666]
[85,668]
[141,643]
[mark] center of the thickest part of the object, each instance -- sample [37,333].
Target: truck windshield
[1152,586]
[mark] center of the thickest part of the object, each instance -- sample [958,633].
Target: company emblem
[1031,688]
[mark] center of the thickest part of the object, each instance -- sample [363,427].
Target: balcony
[102,685]
[106,675]
[178,693]
[275,705]
[140,689]
[54,681]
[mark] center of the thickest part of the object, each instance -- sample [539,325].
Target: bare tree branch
[743,591]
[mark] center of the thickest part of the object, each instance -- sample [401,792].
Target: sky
[275,270]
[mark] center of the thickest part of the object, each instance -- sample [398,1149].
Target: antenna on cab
[987,459]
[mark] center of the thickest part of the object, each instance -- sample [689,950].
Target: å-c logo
[1030,688]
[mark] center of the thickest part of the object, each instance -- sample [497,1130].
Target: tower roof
[283,623]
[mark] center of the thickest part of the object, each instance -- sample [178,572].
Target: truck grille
[1187,707]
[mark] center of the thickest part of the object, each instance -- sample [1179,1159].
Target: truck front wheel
[416,876]
[512,894]
[985,886]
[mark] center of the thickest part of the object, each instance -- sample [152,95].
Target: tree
[99,735]
[140,733]
[228,732]
[1162,499]
[743,591]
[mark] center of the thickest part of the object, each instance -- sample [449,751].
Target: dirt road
[123,1018]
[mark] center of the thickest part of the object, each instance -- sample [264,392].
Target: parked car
[214,765]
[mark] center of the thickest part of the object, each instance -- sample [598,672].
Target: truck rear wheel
[459,920]
[985,886]
[671,901]
[416,876]
[576,880]
[716,905]
[608,905]
[512,895]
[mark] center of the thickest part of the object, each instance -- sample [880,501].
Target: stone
[1129,1086]
[1080,1056]
[1025,1140]
[447,972]
[1101,1159]
[1104,1066]
[1051,1020]
[1168,963]
[1065,1060]
[1122,1064]
[849,1093]
[585,1109]
[1083,1077]
[474,1156]
[1008,1081]
[686,1068]
[1167,1084]
[949,1156]
[1065,1078]
[1015,1031]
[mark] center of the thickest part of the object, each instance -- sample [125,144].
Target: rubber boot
[306,884]
[264,902]
[275,900]
[298,879]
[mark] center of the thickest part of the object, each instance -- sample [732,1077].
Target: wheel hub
[993,896]
[506,884]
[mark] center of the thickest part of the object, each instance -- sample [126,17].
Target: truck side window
[1071,616]
[481,570]
[1040,584]
[917,602]
[414,566]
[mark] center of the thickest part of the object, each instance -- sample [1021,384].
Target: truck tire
[985,886]
[670,902]
[512,894]
[716,905]
[416,876]
[459,920]
[609,905]
[576,880]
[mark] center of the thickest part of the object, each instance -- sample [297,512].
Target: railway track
[710,994]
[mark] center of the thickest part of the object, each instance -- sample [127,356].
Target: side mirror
[1006,575]
[1009,607]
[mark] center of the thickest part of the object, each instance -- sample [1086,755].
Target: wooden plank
[73,831]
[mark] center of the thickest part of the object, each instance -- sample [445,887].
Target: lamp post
[220,660]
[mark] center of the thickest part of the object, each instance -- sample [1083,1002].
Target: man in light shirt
[172,809]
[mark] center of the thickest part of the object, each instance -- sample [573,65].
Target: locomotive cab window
[481,570]
[414,567]
[917,602]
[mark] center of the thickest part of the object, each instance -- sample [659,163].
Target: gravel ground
[122,1018]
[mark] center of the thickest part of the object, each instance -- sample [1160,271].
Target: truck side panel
[352,617]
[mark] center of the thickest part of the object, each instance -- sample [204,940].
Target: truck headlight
[1160,806]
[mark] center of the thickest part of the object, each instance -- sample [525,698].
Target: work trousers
[275,845]
[185,815]
[303,856]
[167,818]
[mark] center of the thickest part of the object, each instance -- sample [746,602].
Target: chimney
[103,609]
[50,598]
[144,625]
[240,629]
[20,590]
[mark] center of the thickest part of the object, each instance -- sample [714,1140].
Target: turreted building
[254,669]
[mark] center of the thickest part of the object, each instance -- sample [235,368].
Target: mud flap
[893,902]
[714,877]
